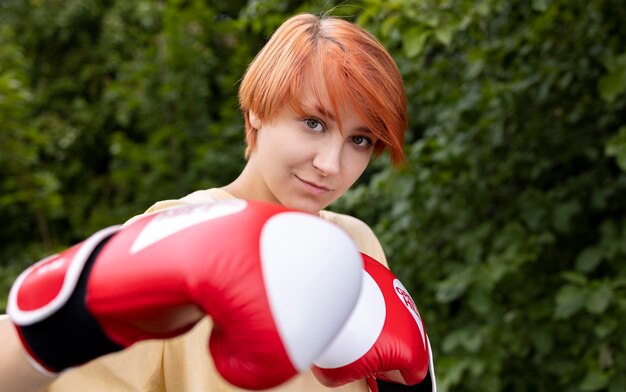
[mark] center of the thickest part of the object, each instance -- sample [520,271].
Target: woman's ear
[255,121]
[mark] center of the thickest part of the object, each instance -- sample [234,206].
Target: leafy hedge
[508,224]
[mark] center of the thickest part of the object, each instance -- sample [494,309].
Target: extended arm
[252,267]
[16,372]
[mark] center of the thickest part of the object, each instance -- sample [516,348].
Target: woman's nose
[328,158]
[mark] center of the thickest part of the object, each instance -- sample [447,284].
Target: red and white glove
[256,269]
[383,341]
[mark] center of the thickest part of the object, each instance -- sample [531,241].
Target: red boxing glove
[384,339]
[255,268]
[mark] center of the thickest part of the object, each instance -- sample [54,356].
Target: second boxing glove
[254,268]
[384,339]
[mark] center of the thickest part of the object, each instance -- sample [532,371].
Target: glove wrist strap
[69,335]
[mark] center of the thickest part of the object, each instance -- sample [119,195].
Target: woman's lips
[312,187]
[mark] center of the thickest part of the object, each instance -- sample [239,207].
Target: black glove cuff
[70,336]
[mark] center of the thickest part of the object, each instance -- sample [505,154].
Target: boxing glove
[256,269]
[384,340]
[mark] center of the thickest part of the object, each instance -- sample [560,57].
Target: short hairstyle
[343,63]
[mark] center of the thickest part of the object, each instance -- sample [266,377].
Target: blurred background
[508,225]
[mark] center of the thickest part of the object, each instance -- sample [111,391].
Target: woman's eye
[362,141]
[314,124]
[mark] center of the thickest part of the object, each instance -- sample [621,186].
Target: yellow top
[184,363]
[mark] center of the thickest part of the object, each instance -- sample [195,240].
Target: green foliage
[509,222]
[507,225]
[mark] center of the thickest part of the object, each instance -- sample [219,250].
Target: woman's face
[305,162]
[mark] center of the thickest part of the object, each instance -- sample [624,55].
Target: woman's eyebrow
[319,110]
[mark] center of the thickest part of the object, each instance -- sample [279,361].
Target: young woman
[320,100]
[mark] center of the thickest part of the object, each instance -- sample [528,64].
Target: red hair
[343,63]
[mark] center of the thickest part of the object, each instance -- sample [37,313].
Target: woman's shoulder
[361,233]
[347,222]
[201,196]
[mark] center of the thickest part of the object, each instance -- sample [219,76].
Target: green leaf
[569,300]
[589,259]
[594,381]
[618,383]
[480,301]
[599,298]
[575,277]
[452,288]
[564,214]
[605,327]
[413,41]
[389,25]
[540,5]
[616,148]
[445,34]
[612,85]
